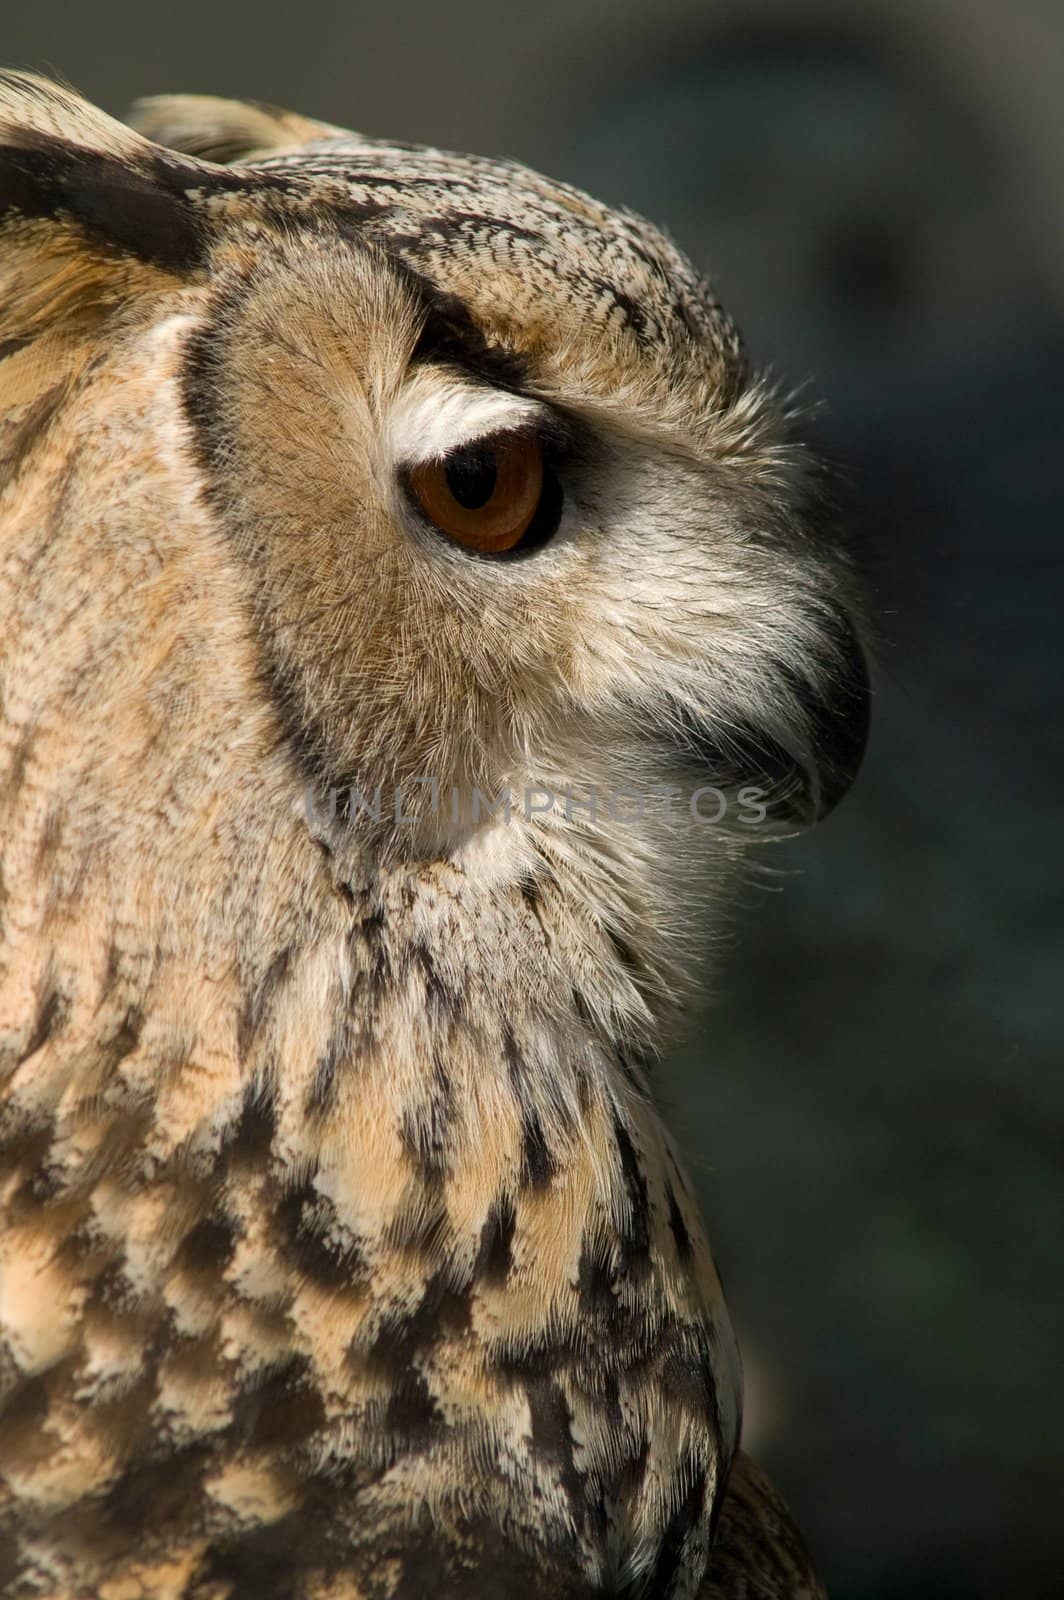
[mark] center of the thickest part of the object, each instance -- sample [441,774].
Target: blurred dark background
[874,1108]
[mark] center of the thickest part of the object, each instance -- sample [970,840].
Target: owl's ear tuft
[64,162]
[224,130]
[33,106]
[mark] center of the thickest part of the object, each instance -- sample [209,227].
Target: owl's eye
[495,495]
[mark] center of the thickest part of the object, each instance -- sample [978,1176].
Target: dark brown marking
[161,1493]
[687,1374]
[127,1036]
[281,1409]
[141,209]
[209,1245]
[314,1241]
[112,1290]
[538,1165]
[49,842]
[19,434]
[541,1358]
[444,1312]
[582,1009]
[633,1473]
[596,1279]
[26,1408]
[625,953]
[442,1001]
[662,1582]
[450,334]
[264,1563]
[552,1438]
[677,1225]
[321,1096]
[257,1003]
[412,1416]
[251,1135]
[51,1015]
[495,1256]
[426,1127]
[635,1234]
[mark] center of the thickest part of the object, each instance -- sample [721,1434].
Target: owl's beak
[799,773]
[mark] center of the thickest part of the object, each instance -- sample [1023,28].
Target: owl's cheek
[798,760]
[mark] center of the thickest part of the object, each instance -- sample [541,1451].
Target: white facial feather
[437,410]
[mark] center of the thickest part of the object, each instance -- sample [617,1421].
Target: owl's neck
[503,931]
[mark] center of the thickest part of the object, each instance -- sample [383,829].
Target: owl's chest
[503,1314]
[392,1335]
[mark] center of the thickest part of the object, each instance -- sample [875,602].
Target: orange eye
[485,495]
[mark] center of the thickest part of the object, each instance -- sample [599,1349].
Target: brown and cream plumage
[344,1253]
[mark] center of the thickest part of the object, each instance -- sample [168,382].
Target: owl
[413,607]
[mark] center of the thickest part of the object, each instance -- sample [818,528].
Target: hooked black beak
[800,768]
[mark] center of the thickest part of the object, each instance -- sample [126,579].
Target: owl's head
[512,512]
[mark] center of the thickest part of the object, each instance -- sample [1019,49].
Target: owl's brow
[450,333]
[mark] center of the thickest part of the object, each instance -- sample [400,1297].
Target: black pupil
[471,474]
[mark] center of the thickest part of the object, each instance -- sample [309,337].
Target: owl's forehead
[540,264]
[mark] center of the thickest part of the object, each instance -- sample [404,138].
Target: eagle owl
[396,549]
